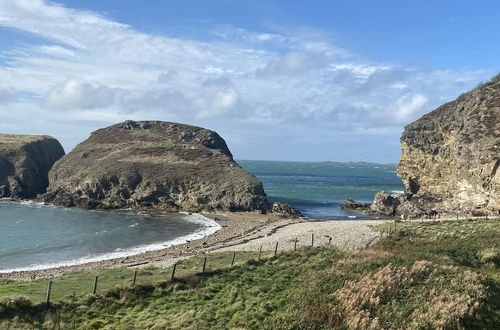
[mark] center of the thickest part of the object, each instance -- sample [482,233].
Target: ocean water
[35,236]
[317,188]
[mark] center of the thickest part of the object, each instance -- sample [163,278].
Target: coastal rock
[450,156]
[386,205]
[350,204]
[25,161]
[396,205]
[154,164]
[285,210]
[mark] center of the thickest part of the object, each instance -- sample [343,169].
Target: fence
[99,281]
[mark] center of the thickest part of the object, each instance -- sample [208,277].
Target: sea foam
[209,227]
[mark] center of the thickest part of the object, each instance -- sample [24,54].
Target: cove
[35,236]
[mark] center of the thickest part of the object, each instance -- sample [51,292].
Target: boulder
[284,210]
[25,161]
[396,205]
[350,204]
[154,164]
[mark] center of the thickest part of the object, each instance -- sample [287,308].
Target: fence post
[134,278]
[312,239]
[204,265]
[94,289]
[232,260]
[276,249]
[260,251]
[295,244]
[49,291]
[173,271]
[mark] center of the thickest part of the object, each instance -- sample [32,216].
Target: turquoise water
[317,188]
[37,236]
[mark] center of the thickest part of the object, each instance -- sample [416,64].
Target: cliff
[450,156]
[154,164]
[25,161]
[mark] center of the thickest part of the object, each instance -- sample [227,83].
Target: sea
[36,236]
[317,188]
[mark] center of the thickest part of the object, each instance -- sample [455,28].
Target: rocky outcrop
[284,210]
[25,161]
[350,204]
[153,164]
[394,205]
[451,155]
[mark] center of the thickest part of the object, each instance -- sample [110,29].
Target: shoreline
[233,226]
[238,231]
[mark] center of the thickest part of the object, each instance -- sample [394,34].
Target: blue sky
[282,80]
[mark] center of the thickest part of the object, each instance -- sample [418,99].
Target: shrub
[15,303]
[426,296]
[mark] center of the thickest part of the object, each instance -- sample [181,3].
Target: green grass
[81,283]
[426,275]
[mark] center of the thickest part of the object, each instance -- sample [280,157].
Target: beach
[245,231]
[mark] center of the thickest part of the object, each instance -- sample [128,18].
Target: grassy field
[425,276]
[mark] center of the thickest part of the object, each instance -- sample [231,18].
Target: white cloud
[6,96]
[75,93]
[87,65]
[407,106]
[293,63]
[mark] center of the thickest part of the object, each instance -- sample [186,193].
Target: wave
[397,192]
[209,227]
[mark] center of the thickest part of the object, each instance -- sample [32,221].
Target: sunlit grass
[425,275]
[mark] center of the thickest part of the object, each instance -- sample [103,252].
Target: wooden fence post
[295,244]
[232,260]
[276,249]
[204,265]
[312,239]
[49,291]
[94,289]
[134,278]
[173,271]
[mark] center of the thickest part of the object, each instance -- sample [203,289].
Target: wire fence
[99,281]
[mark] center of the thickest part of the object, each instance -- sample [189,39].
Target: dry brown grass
[441,296]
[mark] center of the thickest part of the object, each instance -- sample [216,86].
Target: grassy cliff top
[10,141]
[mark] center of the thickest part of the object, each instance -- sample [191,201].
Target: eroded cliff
[25,161]
[450,156]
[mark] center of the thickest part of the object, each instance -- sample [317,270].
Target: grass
[81,283]
[441,275]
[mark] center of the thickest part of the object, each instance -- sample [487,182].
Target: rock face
[396,205]
[451,155]
[153,164]
[25,161]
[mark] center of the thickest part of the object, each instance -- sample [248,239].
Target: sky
[278,80]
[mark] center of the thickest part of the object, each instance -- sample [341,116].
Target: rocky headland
[154,165]
[449,162]
[25,161]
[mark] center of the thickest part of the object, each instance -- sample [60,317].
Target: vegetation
[425,276]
